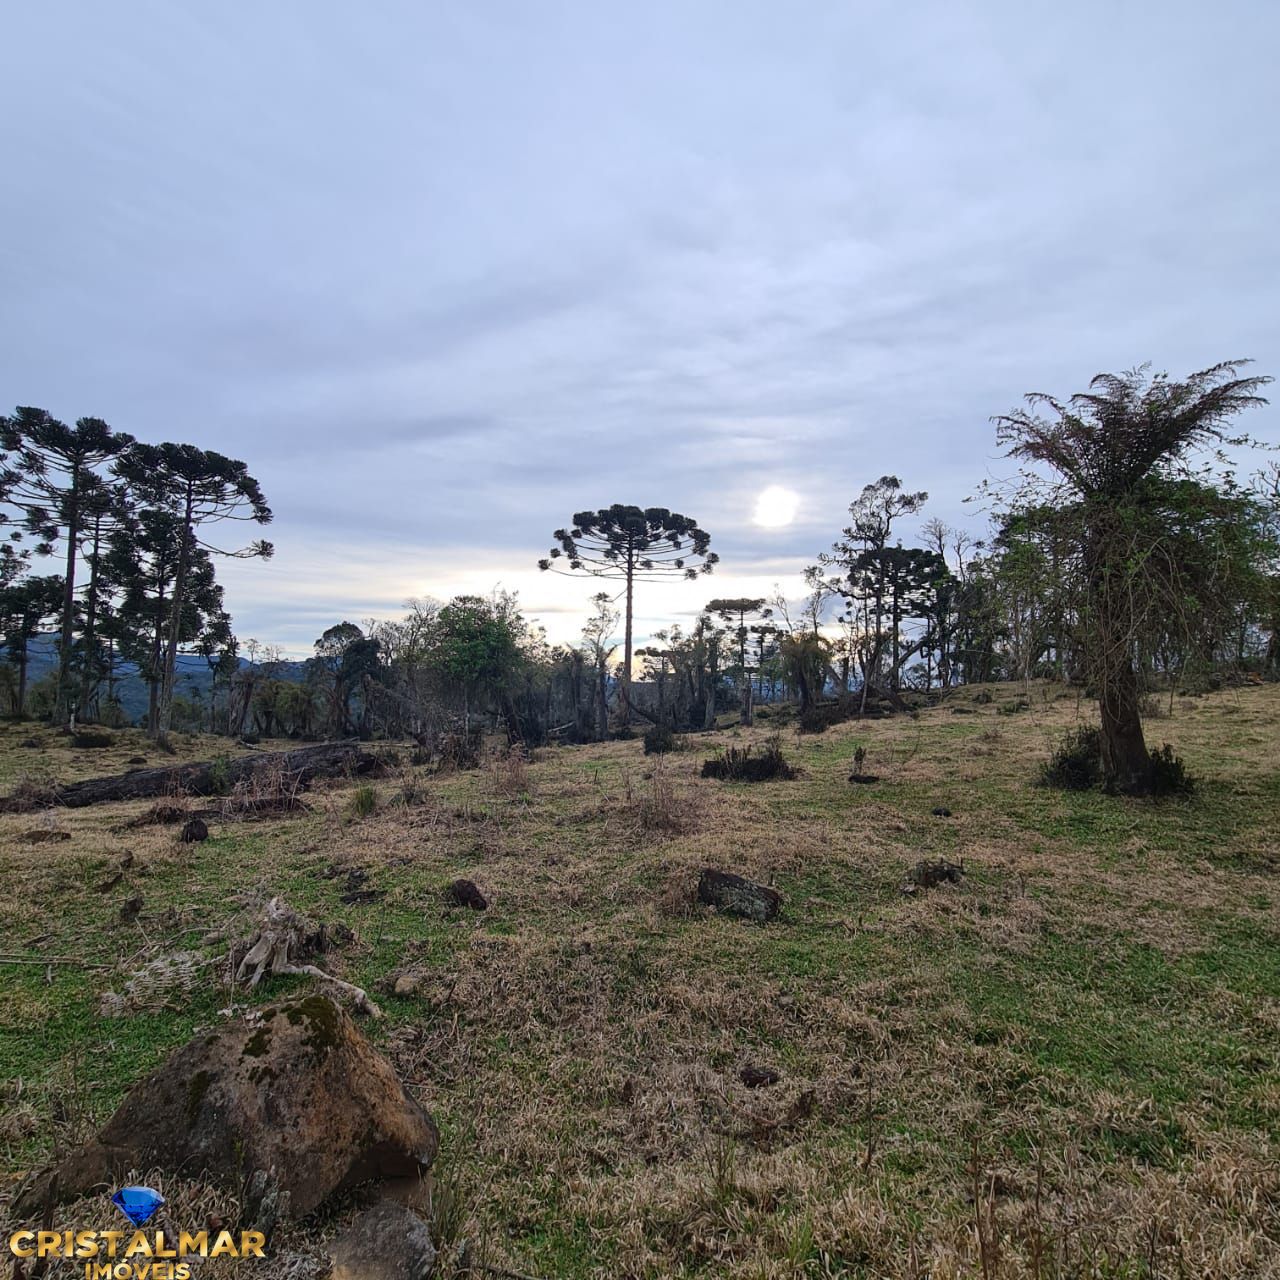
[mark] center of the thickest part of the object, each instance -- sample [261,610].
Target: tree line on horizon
[1126,556]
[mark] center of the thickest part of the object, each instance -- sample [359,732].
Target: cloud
[444,277]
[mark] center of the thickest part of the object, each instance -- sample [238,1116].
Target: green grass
[1100,993]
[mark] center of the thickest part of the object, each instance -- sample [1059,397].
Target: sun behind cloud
[776,507]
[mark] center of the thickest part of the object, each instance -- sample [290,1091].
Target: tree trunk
[1126,763]
[602,703]
[626,644]
[331,759]
[169,674]
[22,681]
[62,695]
[90,621]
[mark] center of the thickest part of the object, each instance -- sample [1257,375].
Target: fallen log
[207,777]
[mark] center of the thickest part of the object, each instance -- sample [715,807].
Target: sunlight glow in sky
[776,507]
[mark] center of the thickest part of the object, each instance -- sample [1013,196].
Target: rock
[194,831]
[136,760]
[357,896]
[928,875]
[386,1242]
[262,1203]
[406,984]
[756,1077]
[300,1094]
[465,893]
[942,812]
[735,896]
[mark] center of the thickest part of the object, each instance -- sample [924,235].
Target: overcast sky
[445,274]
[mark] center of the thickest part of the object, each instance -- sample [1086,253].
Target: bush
[1077,763]
[220,776]
[659,739]
[738,764]
[461,750]
[510,771]
[1169,776]
[820,718]
[364,800]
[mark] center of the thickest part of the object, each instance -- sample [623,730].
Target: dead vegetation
[1062,1065]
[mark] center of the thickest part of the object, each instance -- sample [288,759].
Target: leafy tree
[737,611]
[1115,451]
[105,509]
[596,635]
[200,489]
[804,656]
[860,557]
[632,544]
[351,661]
[141,565]
[51,476]
[24,607]
[477,644]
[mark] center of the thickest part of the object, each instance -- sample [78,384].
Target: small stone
[387,1242]
[194,831]
[362,896]
[407,984]
[756,1077]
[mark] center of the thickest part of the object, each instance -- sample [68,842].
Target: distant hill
[194,677]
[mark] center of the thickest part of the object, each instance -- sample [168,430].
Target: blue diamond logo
[138,1204]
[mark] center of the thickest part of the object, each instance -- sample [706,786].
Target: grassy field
[1068,1065]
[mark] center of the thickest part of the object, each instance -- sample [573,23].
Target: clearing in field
[1064,1064]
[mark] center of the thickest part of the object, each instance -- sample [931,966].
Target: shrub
[1169,776]
[510,771]
[661,808]
[1076,765]
[820,718]
[364,800]
[659,739]
[461,750]
[220,776]
[738,764]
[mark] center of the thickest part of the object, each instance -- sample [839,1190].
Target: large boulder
[298,1096]
[387,1242]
